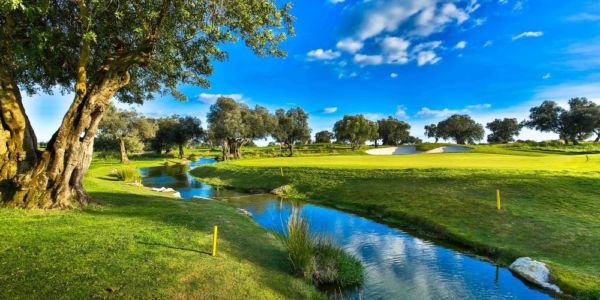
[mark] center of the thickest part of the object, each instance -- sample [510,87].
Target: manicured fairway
[141,245]
[550,203]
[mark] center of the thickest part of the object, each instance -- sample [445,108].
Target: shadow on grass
[245,240]
[176,248]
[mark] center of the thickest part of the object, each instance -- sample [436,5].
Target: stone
[533,271]
[244,212]
[280,190]
[177,195]
[164,190]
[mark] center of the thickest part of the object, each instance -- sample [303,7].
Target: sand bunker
[413,150]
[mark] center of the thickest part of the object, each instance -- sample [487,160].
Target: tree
[185,129]
[503,131]
[292,127]
[124,125]
[460,128]
[324,137]
[256,124]
[431,131]
[577,123]
[224,119]
[125,49]
[413,140]
[393,131]
[162,139]
[355,130]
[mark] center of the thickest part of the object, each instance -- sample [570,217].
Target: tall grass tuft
[317,257]
[128,173]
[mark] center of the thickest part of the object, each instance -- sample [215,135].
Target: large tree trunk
[225,150]
[56,179]
[574,140]
[123,151]
[597,138]
[180,150]
[18,142]
[291,148]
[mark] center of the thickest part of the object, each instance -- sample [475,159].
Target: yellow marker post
[281,171]
[214,249]
[498,199]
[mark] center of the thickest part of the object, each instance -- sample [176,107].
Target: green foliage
[324,137]
[292,193]
[460,128]
[393,131]
[431,131]
[292,127]
[503,131]
[128,173]
[355,130]
[317,257]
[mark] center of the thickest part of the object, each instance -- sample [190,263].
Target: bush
[128,174]
[317,257]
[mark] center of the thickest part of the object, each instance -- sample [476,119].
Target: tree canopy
[292,127]
[431,131]
[324,137]
[393,131]
[460,128]
[355,130]
[503,131]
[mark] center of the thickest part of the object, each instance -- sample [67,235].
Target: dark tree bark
[123,151]
[180,150]
[225,150]
[291,149]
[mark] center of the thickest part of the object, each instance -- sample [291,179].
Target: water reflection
[397,265]
[178,178]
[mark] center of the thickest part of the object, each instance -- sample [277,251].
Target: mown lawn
[551,210]
[140,245]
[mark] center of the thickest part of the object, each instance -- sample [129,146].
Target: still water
[397,264]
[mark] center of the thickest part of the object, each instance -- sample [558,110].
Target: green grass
[128,173]
[550,202]
[138,244]
[317,257]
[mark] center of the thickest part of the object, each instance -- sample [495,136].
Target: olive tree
[292,127]
[393,131]
[460,128]
[355,130]
[100,50]
[503,131]
[324,137]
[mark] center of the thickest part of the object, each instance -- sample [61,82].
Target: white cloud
[393,75]
[329,110]
[395,50]
[528,34]
[426,112]
[566,91]
[480,21]
[546,76]
[365,60]
[427,57]
[518,5]
[349,45]
[212,98]
[401,112]
[336,1]
[488,43]
[584,17]
[353,74]
[461,45]
[503,1]
[321,54]
[479,106]
[373,117]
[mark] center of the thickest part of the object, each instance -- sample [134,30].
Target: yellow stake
[214,250]
[281,171]
[498,199]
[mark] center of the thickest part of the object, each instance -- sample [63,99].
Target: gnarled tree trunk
[18,144]
[56,179]
[123,151]
[225,150]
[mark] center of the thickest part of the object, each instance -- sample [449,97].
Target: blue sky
[417,60]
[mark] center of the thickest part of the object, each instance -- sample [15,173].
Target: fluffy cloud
[528,34]
[584,17]
[426,112]
[401,112]
[373,117]
[393,75]
[365,60]
[336,1]
[321,54]
[546,76]
[427,57]
[518,5]
[460,45]
[329,110]
[212,98]
[488,43]
[395,50]
[503,1]
[349,45]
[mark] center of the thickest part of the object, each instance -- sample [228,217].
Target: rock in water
[533,271]
[177,195]
[280,190]
[244,212]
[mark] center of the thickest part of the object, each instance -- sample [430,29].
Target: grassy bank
[138,244]
[550,207]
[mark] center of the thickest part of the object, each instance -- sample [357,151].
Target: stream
[397,265]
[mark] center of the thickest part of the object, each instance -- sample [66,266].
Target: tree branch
[138,12]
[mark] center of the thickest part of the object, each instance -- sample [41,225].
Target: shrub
[317,257]
[128,173]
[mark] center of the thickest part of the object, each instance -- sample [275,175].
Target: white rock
[177,195]
[533,271]
[244,212]
[280,190]
[164,190]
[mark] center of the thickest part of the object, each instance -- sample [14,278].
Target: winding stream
[397,264]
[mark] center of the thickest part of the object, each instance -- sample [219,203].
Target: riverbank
[551,216]
[139,244]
